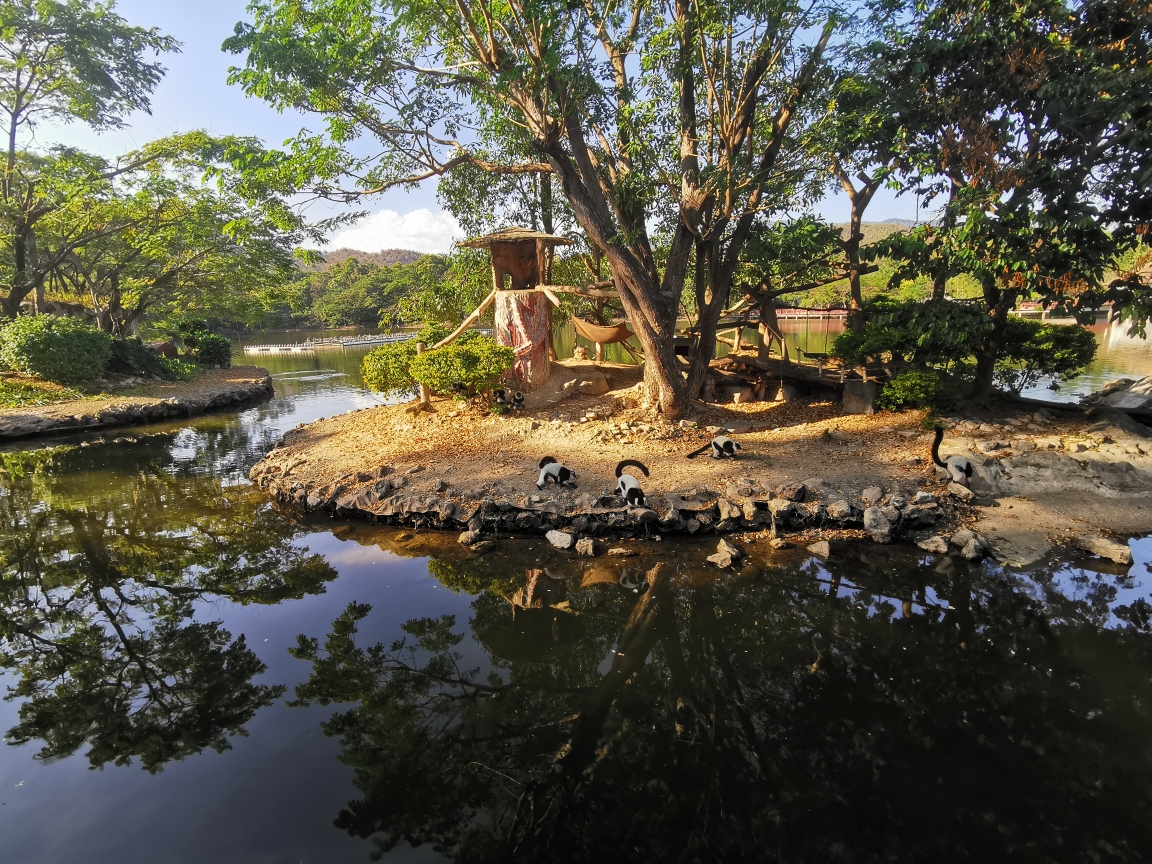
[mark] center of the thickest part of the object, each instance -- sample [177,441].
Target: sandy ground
[471,451]
[211,389]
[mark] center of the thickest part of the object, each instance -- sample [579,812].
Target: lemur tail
[696,453]
[547,460]
[620,468]
[936,447]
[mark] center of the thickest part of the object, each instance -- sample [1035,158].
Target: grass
[17,391]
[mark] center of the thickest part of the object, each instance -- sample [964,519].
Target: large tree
[677,115]
[1031,118]
[62,62]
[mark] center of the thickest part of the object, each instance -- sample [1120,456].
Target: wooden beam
[551,296]
[596,291]
[467,322]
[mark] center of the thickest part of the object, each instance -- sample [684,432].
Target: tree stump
[523,322]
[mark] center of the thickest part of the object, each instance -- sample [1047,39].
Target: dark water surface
[883,706]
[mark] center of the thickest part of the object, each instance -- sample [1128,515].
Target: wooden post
[425,396]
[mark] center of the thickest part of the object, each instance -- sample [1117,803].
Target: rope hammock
[606,335]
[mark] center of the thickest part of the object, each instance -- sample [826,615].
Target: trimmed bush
[916,390]
[55,348]
[385,369]
[477,364]
[180,370]
[133,357]
[213,351]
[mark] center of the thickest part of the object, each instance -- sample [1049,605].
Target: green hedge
[56,348]
[474,361]
[133,357]
[916,390]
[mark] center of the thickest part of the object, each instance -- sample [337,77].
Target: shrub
[477,363]
[133,357]
[213,351]
[180,370]
[385,369]
[929,333]
[56,348]
[1033,350]
[916,390]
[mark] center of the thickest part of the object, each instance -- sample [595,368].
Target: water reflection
[872,708]
[99,583]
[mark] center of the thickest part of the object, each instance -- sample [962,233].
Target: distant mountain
[384,258]
[876,231]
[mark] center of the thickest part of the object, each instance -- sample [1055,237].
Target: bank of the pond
[805,469]
[211,390]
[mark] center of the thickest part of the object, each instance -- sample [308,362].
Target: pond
[193,675]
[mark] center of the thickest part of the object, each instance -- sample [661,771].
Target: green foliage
[180,370]
[916,390]
[1033,350]
[133,357]
[477,363]
[59,349]
[927,334]
[385,369]
[213,351]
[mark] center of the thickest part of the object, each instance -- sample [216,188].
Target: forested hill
[383,258]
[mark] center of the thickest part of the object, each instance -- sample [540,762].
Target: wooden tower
[522,261]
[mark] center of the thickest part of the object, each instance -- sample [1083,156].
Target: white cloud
[420,230]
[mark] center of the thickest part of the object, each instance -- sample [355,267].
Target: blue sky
[195,95]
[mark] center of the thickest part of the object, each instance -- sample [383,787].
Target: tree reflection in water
[98,586]
[807,714]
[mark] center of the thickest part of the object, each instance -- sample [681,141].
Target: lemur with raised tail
[628,486]
[552,470]
[721,446]
[958,468]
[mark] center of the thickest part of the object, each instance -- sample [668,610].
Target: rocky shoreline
[212,390]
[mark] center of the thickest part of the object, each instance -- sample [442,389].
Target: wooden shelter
[522,261]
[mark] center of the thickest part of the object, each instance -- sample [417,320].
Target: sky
[195,95]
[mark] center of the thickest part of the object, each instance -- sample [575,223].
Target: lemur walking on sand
[721,446]
[552,470]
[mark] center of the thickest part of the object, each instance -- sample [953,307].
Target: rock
[738,428]
[485,546]
[781,508]
[793,492]
[1023,445]
[440,486]
[962,537]
[923,497]
[728,510]
[877,524]
[726,555]
[779,543]
[687,424]
[741,396]
[1050,442]
[1078,447]
[593,385]
[974,549]
[991,446]
[585,547]
[1119,427]
[839,509]
[871,496]
[898,501]
[621,552]
[821,548]
[469,537]
[560,539]
[814,483]
[913,461]
[859,397]
[935,543]
[890,513]
[1105,548]
[749,511]
[961,492]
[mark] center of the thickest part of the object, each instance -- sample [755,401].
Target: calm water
[194,676]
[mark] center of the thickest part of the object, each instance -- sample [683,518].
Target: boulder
[779,543]
[859,397]
[781,508]
[821,549]
[923,497]
[1113,550]
[935,543]
[793,492]
[877,524]
[726,555]
[961,492]
[728,509]
[560,539]
[839,509]
[469,537]
[586,547]
[871,496]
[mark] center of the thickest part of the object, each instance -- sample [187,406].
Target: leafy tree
[1031,117]
[75,60]
[1034,351]
[690,120]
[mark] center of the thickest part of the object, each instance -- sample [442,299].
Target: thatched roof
[515,234]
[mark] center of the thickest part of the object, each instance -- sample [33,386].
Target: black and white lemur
[958,468]
[721,446]
[628,486]
[552,470]
[513,400]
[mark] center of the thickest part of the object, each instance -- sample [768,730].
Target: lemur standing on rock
[958,468]
[721,446]
[629,487]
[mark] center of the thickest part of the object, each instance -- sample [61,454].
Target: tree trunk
[998,304]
